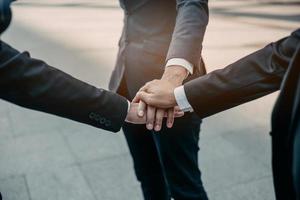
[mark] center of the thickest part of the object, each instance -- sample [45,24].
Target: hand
[157,93]
[154,117]
[132,116]
[172,78]
[160,93]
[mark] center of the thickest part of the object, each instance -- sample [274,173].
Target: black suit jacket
[155,31]
[33,84]
[276,66]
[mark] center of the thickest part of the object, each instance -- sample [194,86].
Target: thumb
[145,87]
[144,96]
[142,109]
[136,99]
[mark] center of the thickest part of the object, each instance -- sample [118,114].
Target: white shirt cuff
[182,100]
[128,106]
[182,62]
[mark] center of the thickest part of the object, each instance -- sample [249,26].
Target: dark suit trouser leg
[166,162]
[179,151]
[296,163]
[147,164]
[282,167]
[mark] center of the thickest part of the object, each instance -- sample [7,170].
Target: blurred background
[43,157]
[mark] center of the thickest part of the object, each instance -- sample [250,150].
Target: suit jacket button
[92,115]
[108,123]
[102,120]
[97,118]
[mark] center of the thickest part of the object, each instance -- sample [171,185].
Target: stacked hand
[156,99]
[157,93]
[132,115]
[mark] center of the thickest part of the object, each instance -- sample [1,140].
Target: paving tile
[252,141]
[225,168]
[255,190]
[261,189]
[234,157]
[33,153]
[95,144]
[14,188]
[113,179]
[216,148]
[220,123]
[27,122]
[223,195]
[6,130]
[60,184]
[4,106]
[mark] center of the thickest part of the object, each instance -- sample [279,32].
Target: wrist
[175,74]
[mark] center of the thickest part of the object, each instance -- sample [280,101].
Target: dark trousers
[286,165]
[166,163]
[296,162]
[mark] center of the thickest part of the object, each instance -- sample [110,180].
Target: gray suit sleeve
[191,22]
[249,78]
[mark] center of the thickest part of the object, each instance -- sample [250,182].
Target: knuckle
[148,83]
[146,97]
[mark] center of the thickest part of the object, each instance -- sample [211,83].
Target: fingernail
[157,128]
[170,124]
[149,126]
[141,113]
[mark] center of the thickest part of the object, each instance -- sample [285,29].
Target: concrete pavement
[44,157]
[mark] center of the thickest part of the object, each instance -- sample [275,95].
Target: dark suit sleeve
[35,85]
[249,78]
[191,22]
